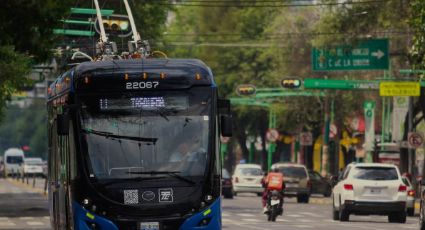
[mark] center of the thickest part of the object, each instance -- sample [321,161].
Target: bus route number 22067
[142,85]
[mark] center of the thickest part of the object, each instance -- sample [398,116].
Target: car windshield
[293,172]
[130,136]
[14,159]
[375,173]
[251,172]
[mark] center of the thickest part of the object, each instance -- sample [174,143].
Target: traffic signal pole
[272,145]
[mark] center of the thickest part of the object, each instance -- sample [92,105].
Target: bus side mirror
[63,124]
[226,125]
[225,117]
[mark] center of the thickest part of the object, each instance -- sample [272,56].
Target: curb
[27,187]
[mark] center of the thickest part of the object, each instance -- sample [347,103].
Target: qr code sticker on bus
[131,196]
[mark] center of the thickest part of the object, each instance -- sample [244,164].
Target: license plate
[375,191]
[274,202]
[149,226]
[291,185]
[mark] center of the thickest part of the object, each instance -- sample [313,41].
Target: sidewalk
[31,186]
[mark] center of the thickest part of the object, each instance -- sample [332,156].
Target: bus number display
[142,85]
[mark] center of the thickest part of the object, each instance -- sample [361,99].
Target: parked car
[411,193]
[226,184]
[247,178]
[319,184]
[13,160]
[297,181]
[33,166]
[370,189]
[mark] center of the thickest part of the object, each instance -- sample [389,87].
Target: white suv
[370,189]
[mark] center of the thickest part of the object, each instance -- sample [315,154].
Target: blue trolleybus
[133,144]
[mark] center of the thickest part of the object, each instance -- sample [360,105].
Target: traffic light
[115,25]
[291,83]
[246,90]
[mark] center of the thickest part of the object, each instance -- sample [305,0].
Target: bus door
[53,176]
[63,180]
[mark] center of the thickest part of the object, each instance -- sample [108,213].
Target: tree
[26,38]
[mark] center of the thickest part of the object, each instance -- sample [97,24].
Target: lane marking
[294,215]
[245,214]
[35,223]
[251,220]
[7,224]
[311,214]
[245,225]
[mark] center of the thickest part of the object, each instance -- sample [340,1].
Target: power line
[281,35]
[253,4]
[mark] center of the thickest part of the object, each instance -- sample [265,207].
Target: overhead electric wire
[259,4]
[281,35]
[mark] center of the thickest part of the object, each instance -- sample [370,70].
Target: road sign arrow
[378,54]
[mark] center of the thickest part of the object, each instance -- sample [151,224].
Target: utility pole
[325,147]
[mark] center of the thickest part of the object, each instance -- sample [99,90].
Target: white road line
[251,220]
[302,226]
[7,224]
[47,217]
[225,214]
[245,214]
[282,220]
[294,215]
[34,223]
[26,218]
[304,220]
[311,214]
[237,223]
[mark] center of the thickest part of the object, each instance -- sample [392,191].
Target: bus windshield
[149,135]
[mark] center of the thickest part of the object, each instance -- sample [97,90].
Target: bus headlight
[208,198]
[86,202]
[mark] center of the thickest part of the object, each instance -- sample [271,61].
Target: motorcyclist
[272,181]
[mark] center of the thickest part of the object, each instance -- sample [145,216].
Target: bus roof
[178,71]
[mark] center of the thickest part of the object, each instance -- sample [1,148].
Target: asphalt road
[244,213]
[22,207]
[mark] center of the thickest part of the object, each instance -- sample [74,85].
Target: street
[23,207]
[244,212]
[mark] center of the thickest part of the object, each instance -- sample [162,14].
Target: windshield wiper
[111,135]
[170,173]
[126,180]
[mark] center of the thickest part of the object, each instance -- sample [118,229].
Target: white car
[370,189]
[33,166]
[247,178]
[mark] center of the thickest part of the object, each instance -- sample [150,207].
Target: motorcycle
[273,205]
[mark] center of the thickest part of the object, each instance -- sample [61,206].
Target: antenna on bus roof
[105,49]
[136,46]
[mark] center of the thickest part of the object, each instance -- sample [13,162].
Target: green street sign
[311,83]
[369,105]
[366,55]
